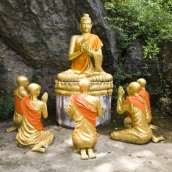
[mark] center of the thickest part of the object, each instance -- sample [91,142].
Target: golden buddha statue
[31,133]
[86,55]
[134,106]
[84,109]
[19,93]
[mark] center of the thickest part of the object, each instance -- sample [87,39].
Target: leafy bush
[6,104]
[143,20]
[121,78]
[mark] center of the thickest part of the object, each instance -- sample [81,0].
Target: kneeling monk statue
[135,107]
[84,109]
[144,95]
[31,133]
[19,93]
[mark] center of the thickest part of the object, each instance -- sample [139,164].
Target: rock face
[34,41]
[160,71]
[11,67]
[136,63]
[38,33]
[143,68]
[166,57]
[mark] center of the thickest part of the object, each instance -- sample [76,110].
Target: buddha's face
[86,26]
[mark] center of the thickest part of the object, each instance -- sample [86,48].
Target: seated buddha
[85,52]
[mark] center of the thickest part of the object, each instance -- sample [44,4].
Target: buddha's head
[133,88]
[22,81]
[84,85]
[85,24]
[34,89]
[142,82]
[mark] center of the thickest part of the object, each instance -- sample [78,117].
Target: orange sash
[33,116]
[17,100]
[145,95]
[136,101]
[82,105]
[81,62]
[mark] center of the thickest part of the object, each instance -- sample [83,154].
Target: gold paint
[86,63]
[21,92]
[84,136]
[28,135]
[139,131]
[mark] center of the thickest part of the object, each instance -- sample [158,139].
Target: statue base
[63,119]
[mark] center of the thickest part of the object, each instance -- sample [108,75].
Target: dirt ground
[111,156]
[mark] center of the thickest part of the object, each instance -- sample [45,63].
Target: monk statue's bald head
[133,88]
[84,85]
[142,82]
[22,81]
[34,89]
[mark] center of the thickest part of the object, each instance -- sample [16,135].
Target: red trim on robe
[81,62]
[17,100]
[83,107]
[145,95]
[32,115]
[136,101]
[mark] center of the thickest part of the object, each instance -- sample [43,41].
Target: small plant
[6,104]
[121,78]
[151,50]
[35,78]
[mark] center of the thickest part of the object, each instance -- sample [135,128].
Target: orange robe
[17,100]
[136,102]
[18,115]
[32,115]
[81,63]
[146,97]
[31,132]
[82,105]
[84,135]
[140,131]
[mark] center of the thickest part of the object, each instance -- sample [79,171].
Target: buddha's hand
[121,91]
[44,97]
[89,50]
[83,46]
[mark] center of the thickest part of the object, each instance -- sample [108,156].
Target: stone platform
[63,119]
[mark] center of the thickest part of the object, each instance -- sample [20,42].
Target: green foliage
[151,50]
[121,78]
[35,78]
[6,104]
[148,21]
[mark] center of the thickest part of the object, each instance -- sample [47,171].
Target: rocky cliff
[35,36]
